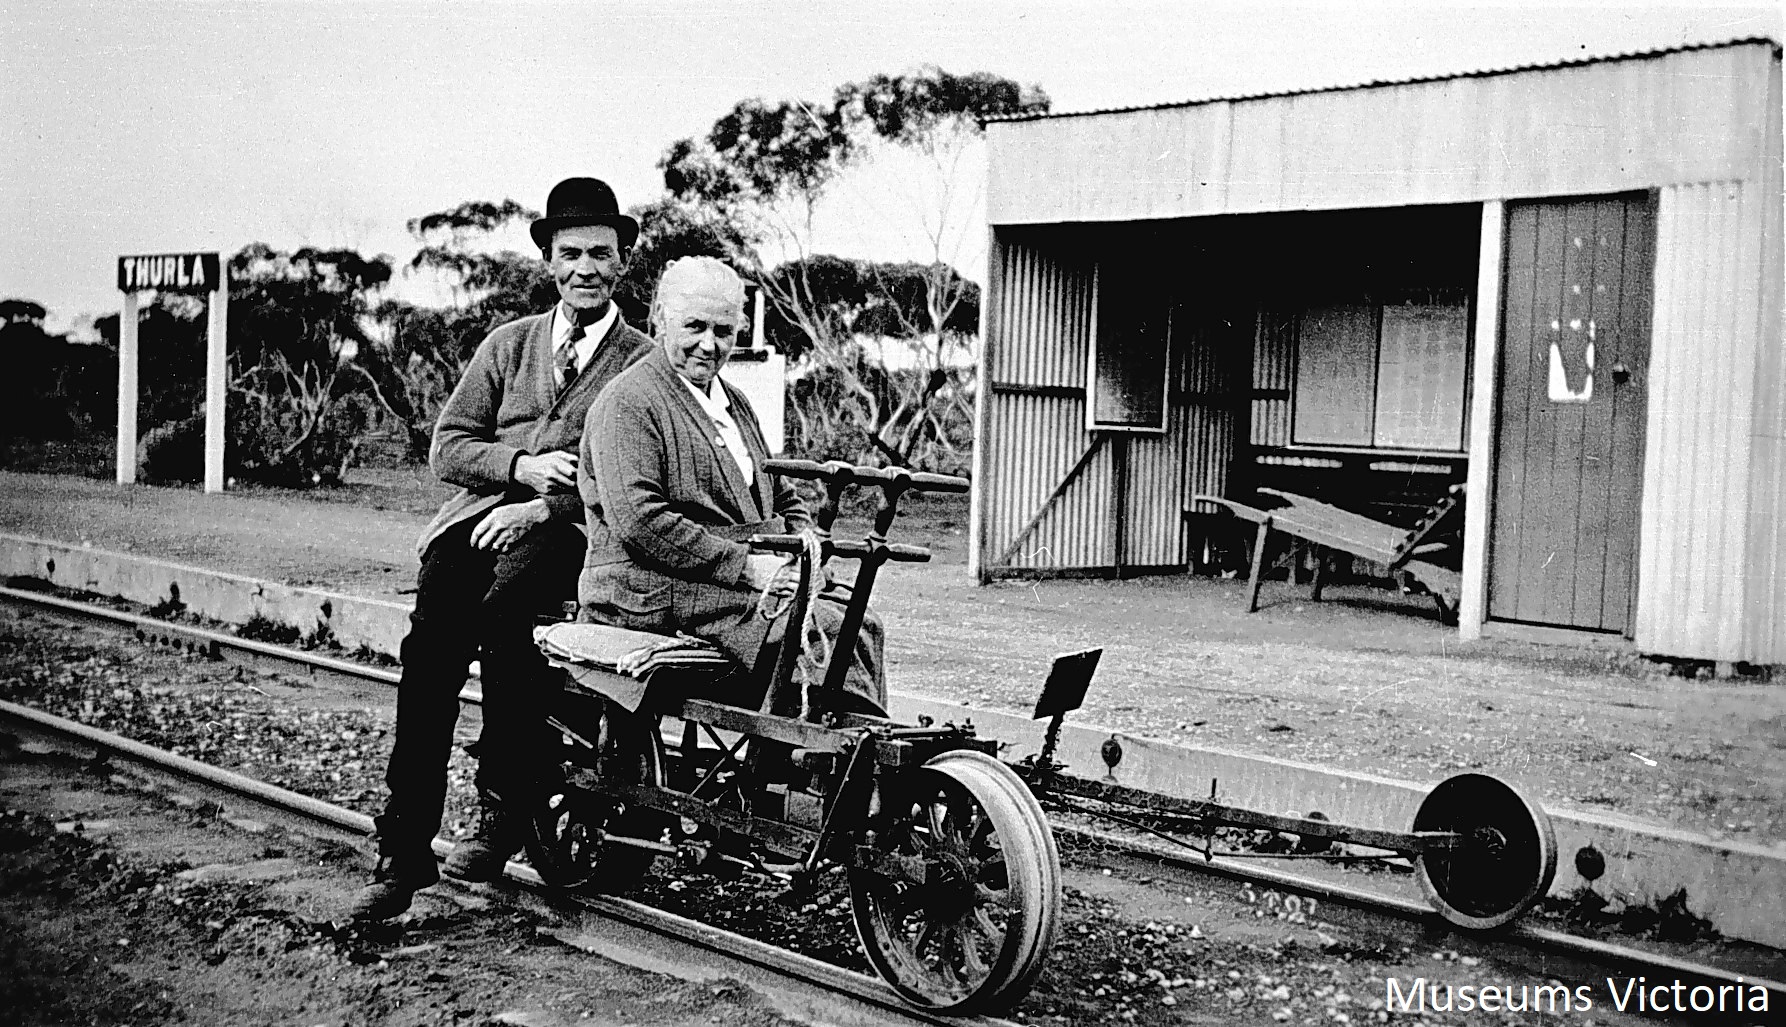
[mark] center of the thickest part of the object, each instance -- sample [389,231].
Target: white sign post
[760,372]
[175,272]
[127,391]
[216,382]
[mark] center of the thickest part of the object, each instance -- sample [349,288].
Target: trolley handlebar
[873,551]
[838,473]
[794,545]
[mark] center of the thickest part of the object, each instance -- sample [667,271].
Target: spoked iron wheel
[975,935]
[1508,858]
[565,837]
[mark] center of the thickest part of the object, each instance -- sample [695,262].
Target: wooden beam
[991,327]
[1051,391]
[1472,605]
[1119,501]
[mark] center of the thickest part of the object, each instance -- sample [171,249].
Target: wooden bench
[1403,552]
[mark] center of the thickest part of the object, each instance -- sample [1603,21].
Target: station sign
[170,272]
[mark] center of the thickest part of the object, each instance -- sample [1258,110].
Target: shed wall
[1154,495]
[1690,116]
[1034,425]
[1274,375]
[1214,372]
[1195,453]
[1038,440]
[1045,318]
[1704,557]
[1767,516]
[1125,505]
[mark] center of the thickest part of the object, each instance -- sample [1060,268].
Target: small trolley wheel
[1506,861]
[975,934]
[566,826]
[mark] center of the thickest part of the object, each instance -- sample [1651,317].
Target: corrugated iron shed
[1072,197]
[1690,115]
[1509,69]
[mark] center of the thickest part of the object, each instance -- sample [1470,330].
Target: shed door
[1575,344]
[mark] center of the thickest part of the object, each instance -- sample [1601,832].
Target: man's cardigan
[508,405]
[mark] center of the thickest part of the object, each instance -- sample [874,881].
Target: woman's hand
[760,569]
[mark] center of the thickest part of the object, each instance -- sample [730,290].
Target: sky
[147,126]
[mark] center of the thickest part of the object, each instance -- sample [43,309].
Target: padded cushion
[619,663]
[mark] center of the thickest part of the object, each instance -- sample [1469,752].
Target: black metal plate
[1067,681]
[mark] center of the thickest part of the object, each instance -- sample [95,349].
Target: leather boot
[395,881]
[482,856]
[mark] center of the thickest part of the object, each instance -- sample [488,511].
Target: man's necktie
[567,357]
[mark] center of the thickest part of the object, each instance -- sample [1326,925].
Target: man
[671,471]
[503,550]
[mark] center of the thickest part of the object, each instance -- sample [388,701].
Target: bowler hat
[583,201]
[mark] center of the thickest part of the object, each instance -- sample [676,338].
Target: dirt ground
[124,907]
[1368,680]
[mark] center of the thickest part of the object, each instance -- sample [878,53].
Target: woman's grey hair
[689,275]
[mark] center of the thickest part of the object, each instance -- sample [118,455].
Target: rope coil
[815,647]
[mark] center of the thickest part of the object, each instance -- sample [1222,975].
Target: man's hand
[549,472]
[504,526]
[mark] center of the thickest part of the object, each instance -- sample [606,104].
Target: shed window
[1421,370]
[1130,341]
[1336,360]
[1383,375]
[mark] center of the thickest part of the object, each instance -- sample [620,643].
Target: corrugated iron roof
[1376,83]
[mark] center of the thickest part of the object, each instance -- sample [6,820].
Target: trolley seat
[628,666]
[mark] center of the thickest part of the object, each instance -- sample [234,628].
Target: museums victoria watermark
[1622,994]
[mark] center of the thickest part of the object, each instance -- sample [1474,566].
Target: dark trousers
[476,604]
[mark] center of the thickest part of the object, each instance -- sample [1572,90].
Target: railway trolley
[952,866]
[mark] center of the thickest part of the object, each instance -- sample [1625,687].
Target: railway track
[1521,942]
[816,988]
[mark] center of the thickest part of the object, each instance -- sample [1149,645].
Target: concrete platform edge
[351,621]
[1740,887]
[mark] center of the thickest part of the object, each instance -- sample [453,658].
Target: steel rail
[217,645]
[814,973]
[1524,935]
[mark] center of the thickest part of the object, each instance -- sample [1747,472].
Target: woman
[671,474]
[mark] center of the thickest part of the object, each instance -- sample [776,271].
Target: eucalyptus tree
[767,166]
[299,323]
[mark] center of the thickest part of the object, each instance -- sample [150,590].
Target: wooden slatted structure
[1333,531]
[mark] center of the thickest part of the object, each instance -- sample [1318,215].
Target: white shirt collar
[713,399]
[592,334]
[717,404]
